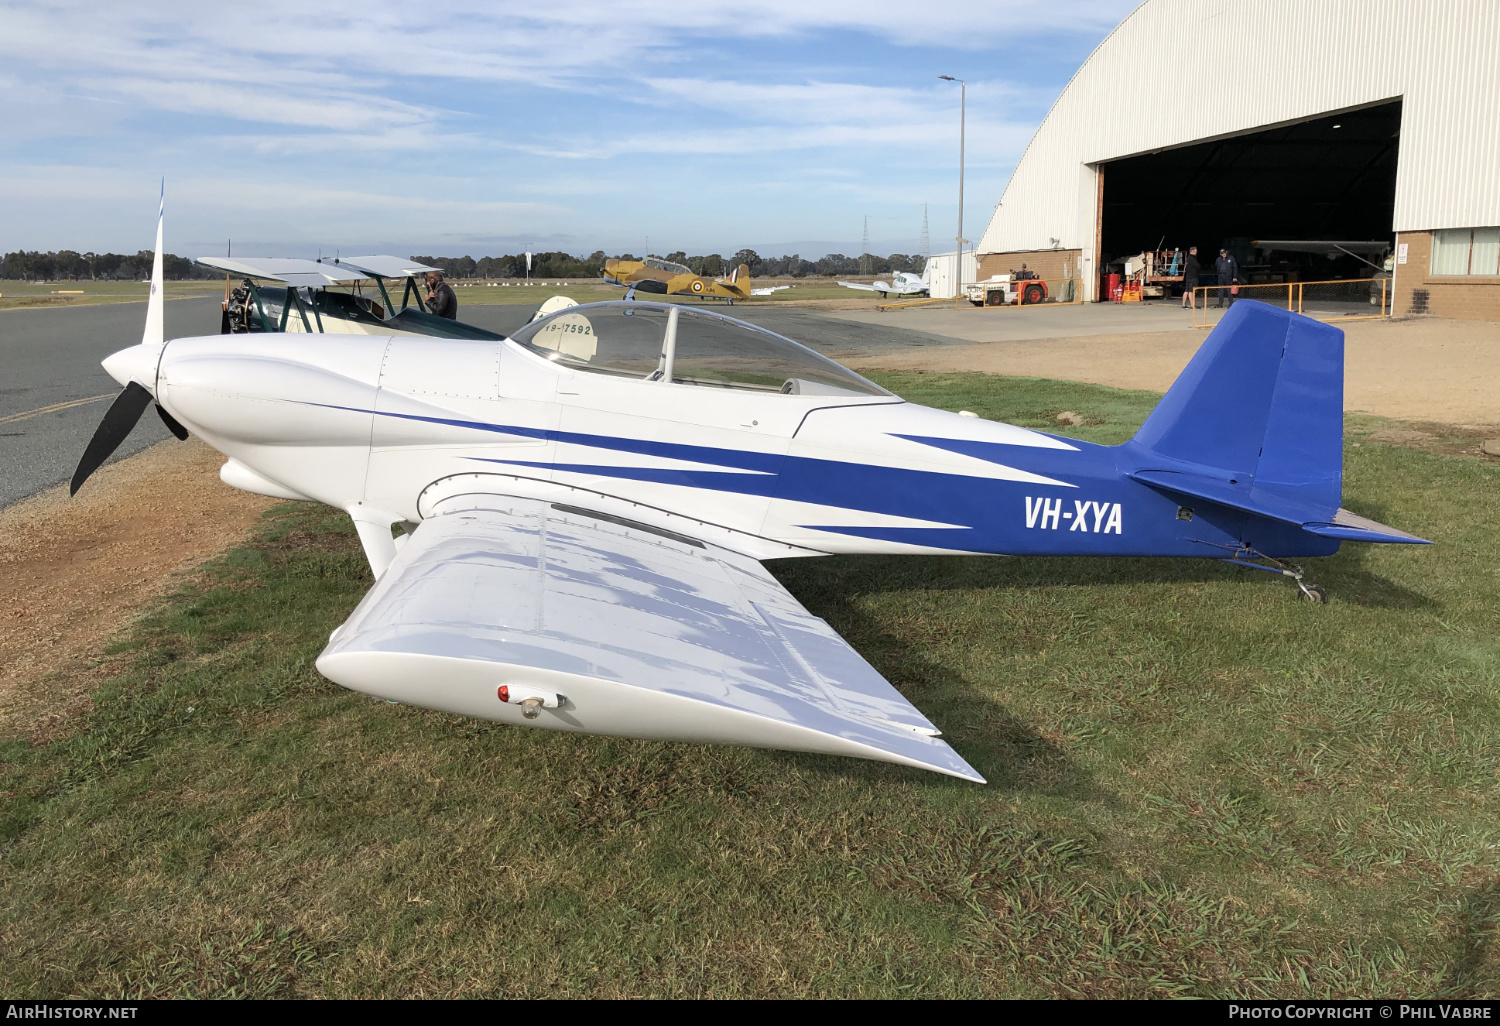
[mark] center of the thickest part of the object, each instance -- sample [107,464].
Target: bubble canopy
[660,342]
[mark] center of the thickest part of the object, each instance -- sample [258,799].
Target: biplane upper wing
[625,629]
[294,272]
[384,266]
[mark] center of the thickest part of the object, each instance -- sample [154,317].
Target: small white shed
[945,284]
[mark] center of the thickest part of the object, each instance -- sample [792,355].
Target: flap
[643,632]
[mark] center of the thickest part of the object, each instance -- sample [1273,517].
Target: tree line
[564,265]
[33,265]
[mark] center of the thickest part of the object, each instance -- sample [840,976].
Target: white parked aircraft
[902,284]
[587,503]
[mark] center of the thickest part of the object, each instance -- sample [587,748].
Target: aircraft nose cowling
[138,364]
[275,389]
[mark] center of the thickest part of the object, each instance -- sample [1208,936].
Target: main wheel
[1312,593]
[1033,295]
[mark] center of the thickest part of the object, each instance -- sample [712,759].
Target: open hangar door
[1332,177]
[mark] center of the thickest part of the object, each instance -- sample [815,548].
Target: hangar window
[650,341]
[1466,251]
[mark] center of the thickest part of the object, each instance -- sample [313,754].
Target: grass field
[1198,786]
[21,294]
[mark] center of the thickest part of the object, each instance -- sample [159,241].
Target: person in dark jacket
[1228,271]
[1190,272]
[440,298]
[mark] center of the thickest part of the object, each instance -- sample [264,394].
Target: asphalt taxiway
[53,392]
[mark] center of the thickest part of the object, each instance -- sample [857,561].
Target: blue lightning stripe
[739,459]
[968,503]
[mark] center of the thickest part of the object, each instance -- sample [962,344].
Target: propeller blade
[123,414]
[172,423]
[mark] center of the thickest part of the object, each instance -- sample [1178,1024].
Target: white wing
[629,630]
[857,285]
[383,266]
[294,272]
[768,290]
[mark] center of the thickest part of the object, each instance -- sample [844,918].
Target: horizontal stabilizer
[1340,524]
[1348,526]
[1236,496]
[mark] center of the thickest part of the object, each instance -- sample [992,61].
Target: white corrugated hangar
[1222,123]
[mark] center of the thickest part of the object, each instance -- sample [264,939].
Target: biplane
[328,297]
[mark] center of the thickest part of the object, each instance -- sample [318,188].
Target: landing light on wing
[532,700]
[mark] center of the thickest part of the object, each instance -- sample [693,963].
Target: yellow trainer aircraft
[663,277]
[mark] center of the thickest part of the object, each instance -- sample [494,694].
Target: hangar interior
[1329,177]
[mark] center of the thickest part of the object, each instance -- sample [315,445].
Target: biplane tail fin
[1255,422]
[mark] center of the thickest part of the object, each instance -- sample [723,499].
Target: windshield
[658,341]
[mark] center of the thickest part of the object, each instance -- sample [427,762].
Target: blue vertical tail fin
[1255,422]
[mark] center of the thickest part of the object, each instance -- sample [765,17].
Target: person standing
[1190,272]
[1229,272]
[440,298]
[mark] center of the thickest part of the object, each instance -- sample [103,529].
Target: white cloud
[514,110]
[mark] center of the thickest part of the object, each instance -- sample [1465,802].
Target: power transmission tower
[926,243]
[864,249]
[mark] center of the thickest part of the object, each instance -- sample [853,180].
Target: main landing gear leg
[1305,591]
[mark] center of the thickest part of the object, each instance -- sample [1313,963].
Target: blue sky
[485,128]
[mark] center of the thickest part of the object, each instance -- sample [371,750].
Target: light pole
[963,90]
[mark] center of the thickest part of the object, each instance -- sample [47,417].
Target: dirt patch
[1421,369]
[75,572]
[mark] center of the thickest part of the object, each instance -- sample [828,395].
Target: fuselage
[386,425]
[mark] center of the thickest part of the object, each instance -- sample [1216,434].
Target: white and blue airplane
[585,506]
